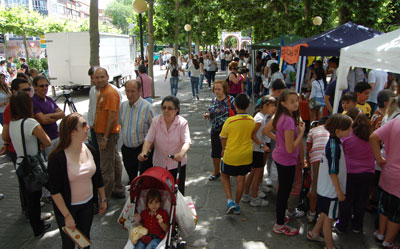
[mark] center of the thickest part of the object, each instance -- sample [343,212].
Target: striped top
[318,137]
[135,121]
[332,162]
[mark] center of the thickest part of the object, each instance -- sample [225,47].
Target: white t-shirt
[379,78]
[193,71]
[287,71]
[263,119]
[332,162]
[276,75]
[269,66]
[31,142]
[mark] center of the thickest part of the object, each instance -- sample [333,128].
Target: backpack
[174,71]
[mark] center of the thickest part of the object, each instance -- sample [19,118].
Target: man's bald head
[101,69]
[135,83]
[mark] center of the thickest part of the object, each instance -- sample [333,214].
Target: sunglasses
[169,108]
[43,86]
[27,89]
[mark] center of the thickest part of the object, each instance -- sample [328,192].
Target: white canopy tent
[381,53]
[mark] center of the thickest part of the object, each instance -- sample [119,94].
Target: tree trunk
[190,39]
[150,33]
[199,32]
[344,12]
[5,46]
[94,33]
[307,7]
[26,47]
[176,34]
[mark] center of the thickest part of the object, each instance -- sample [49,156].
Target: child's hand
[266,149]
[341,196]
[159,219]
[137,218]
[301,127]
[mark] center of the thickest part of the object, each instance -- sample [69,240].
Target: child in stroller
[155,219]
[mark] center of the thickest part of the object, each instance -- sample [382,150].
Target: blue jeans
[195,85]
[174,85]
[249,87]
[201,81]
[152,245]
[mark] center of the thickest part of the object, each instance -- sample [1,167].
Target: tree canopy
[262,19]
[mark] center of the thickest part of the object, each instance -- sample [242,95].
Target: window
[39,5]
[16,3]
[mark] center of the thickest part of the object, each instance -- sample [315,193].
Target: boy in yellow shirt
[363,90]
[349,100]
[237,151]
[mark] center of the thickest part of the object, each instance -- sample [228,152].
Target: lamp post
[187,29]
[204,35]
[140,6]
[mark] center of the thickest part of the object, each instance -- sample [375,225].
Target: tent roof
[330,42]
[381,53]
[276,42]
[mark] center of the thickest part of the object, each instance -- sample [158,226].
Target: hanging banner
[291,54]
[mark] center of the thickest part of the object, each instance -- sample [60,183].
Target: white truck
[68,56]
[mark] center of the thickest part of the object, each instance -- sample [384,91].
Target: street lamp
[140,6]
[317,20]
[187,29]
[204,35]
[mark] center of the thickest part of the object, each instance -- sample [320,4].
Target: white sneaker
[265,188]
[261,194]
[311,217]
[268,181]
[246,198]
[258,202]
[295,214]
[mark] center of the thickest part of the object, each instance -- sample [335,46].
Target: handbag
[231,112]
[314,103]
[31,169]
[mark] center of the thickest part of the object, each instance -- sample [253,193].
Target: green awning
[276,42]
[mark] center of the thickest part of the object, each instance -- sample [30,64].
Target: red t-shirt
[151,223]
[7,120]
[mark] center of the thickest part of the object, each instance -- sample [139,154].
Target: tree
[94,33]
[151,42]
[120,11]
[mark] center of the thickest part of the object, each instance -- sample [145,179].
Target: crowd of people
[350,157]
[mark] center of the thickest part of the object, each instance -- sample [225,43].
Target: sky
[103,3]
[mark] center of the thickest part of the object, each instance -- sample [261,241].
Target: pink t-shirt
[146,85]
[168,142]
[280,155]
[318,136]
[358,154]
[390,134]
[80,179]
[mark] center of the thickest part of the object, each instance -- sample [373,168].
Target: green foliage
[121,12]
[35,63]
[44,64]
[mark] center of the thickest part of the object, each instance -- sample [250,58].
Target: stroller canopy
[154,178]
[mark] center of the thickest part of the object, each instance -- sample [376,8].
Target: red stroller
[162,180]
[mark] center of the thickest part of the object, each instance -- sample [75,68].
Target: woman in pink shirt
[389,201]
[75,179]
[169,134]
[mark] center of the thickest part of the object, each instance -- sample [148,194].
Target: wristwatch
[262,146]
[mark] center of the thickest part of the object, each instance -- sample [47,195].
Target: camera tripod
[68,101]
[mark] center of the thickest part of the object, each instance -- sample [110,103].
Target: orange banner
[291,54]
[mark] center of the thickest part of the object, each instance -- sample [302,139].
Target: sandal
[214,177]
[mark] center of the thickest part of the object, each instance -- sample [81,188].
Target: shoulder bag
[31,169]
[231,112]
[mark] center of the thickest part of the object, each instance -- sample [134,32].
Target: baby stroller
[162,180]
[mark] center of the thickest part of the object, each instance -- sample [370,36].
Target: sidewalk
[252,229]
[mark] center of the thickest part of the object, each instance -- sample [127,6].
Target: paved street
[252,229]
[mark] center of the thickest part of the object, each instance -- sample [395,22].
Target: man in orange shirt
[107,132]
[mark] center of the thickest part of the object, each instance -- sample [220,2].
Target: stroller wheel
[182,245]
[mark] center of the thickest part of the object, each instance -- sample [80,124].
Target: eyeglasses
[169,108]
[27,89]
[43,86]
